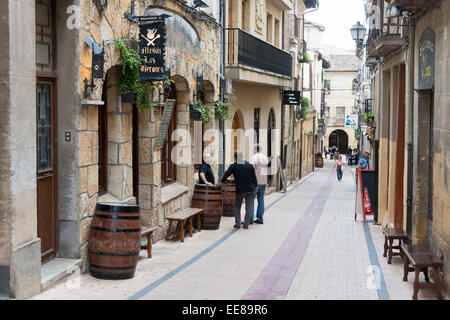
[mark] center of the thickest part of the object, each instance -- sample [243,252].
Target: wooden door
[46,169]
[235,126]
[400,152]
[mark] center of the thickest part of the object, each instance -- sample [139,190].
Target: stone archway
[339,138]
[238,128]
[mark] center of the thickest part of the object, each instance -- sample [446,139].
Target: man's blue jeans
[260,196]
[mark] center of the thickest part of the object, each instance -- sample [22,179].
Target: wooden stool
[391,234]
[421,259]
[148,231]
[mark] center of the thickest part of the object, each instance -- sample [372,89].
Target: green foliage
[305,57]
[305,106]
[222,110]
[199,106]
[368,117]
[130,80]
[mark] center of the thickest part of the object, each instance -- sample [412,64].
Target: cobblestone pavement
[309,247]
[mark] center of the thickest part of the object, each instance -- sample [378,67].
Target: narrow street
[309,247]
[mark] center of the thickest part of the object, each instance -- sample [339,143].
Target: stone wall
[439,21]
[200,49]
[19,165]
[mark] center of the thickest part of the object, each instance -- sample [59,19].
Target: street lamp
[358,31]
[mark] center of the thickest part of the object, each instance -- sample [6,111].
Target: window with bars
[327,86]
[256,117]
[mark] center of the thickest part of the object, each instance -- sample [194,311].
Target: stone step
[59,270]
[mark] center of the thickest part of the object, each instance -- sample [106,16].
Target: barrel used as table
[228,198]
[114,241]
[209,199]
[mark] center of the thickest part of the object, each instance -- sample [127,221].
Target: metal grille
[245,49]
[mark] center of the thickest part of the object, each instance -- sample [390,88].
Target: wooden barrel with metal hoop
[114,241]
[209,199]
[228,198]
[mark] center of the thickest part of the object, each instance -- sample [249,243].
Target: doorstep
[58,269]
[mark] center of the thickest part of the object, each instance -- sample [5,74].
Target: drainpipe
[410,125]
[301,126]
[222,71]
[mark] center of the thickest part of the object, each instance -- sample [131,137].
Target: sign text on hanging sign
[152,49]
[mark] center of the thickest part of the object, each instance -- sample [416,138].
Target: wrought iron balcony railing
[245,49]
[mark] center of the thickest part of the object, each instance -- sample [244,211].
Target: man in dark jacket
[246,184]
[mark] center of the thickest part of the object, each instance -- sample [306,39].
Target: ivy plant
[368,117]
[305,106]
[222,110]
[198,105]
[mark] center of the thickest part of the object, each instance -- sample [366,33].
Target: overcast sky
[338,16]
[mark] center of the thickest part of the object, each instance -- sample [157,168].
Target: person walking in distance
[260,163]
[246,184]
[339,166]
[205,173]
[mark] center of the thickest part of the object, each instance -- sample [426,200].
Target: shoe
[251,222]
[245,227]
[258,222]
[237,226]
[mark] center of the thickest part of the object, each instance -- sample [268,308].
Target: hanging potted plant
[132,89]
[222,110]
[199,111]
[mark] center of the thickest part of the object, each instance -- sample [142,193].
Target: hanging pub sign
[98,61]
[426,59]
[291,97]
[152,48]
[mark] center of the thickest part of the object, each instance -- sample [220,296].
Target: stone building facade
[340,100]
[410,90]
[89,147]
[69,140]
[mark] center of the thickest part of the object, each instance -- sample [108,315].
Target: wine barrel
[228,198]
[114,241]
[210,199]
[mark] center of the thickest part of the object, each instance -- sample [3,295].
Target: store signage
[351,121]
[291,97]
[98,61]
[152,49]
[426,59]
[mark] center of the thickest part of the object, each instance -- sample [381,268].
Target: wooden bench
[181,217]
[421,259]
[147,231]
[391,234]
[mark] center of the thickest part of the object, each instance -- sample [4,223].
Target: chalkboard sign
[283,180]
[426,59]
[366,182]
[164,125]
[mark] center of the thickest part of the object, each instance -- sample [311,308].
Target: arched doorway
[338,138]
[238,131]
[270,140]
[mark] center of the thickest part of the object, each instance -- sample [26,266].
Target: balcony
[384,37]
[252,59]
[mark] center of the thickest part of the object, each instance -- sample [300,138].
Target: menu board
[165,121]
[283,180]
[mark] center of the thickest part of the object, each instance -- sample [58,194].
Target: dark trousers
[248,207]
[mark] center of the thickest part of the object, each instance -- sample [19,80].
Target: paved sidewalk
[309,247]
